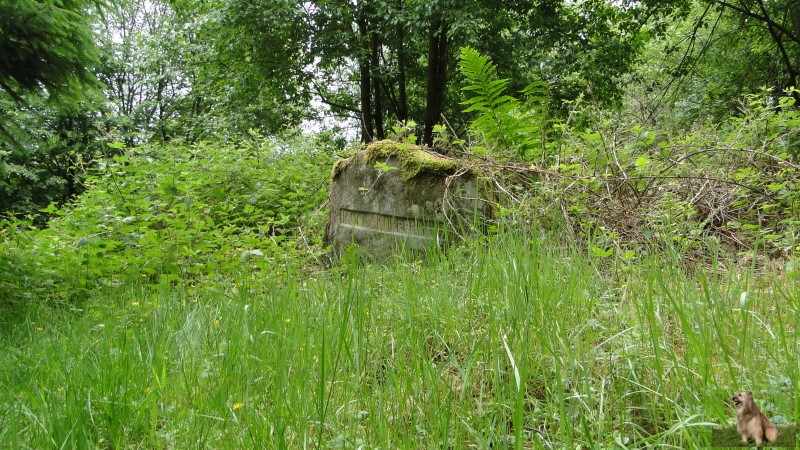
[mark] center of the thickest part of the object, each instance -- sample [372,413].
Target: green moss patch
[340,165]
[413,160]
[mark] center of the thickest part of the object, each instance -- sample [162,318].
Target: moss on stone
[413,160]
[340,165]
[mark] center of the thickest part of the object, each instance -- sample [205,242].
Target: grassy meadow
[514,341]
[166,281]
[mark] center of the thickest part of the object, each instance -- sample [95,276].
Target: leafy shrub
[734,184]
[167,214]
[50,161]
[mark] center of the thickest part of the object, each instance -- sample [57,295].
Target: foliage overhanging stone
[391,198]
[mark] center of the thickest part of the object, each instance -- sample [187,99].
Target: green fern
[517,128]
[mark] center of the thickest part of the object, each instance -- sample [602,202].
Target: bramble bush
[732,185]
[174,214]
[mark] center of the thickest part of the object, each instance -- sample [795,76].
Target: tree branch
[763,18]
[323,99]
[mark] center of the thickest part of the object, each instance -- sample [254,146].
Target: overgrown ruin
[396,198]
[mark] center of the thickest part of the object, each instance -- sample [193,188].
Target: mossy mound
[413,159]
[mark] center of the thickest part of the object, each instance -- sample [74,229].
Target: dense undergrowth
[633,280]
[172,215]
[623,185]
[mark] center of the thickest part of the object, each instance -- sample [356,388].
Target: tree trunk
[776,37]
[366,91]
[794,11]
[402,99]
[436,79]
[376,86]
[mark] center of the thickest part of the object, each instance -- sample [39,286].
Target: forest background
[177,154]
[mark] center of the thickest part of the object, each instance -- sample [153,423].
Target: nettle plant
[734,184]
[182,214]
[766,142]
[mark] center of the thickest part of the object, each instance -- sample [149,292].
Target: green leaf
[776,186]
[601,253]
[51,208]
[383,167]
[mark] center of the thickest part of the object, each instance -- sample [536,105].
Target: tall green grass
[513,342]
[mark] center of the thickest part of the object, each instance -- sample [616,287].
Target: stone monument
[397,198]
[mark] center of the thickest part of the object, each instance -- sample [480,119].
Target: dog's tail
[772,433]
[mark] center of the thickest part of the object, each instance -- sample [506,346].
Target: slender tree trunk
[402,99]
[366,91]
[436,79]
[161,105]
[376,85]
[794,11]
[779,43]
[197,110]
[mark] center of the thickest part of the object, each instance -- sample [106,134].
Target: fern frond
[486,88]
[503,120]
[475,66]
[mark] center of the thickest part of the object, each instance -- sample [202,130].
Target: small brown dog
[752,423]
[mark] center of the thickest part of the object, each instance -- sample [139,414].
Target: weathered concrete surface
[391,198]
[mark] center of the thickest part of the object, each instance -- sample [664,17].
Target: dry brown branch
[733,149]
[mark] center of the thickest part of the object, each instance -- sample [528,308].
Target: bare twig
[733,149]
